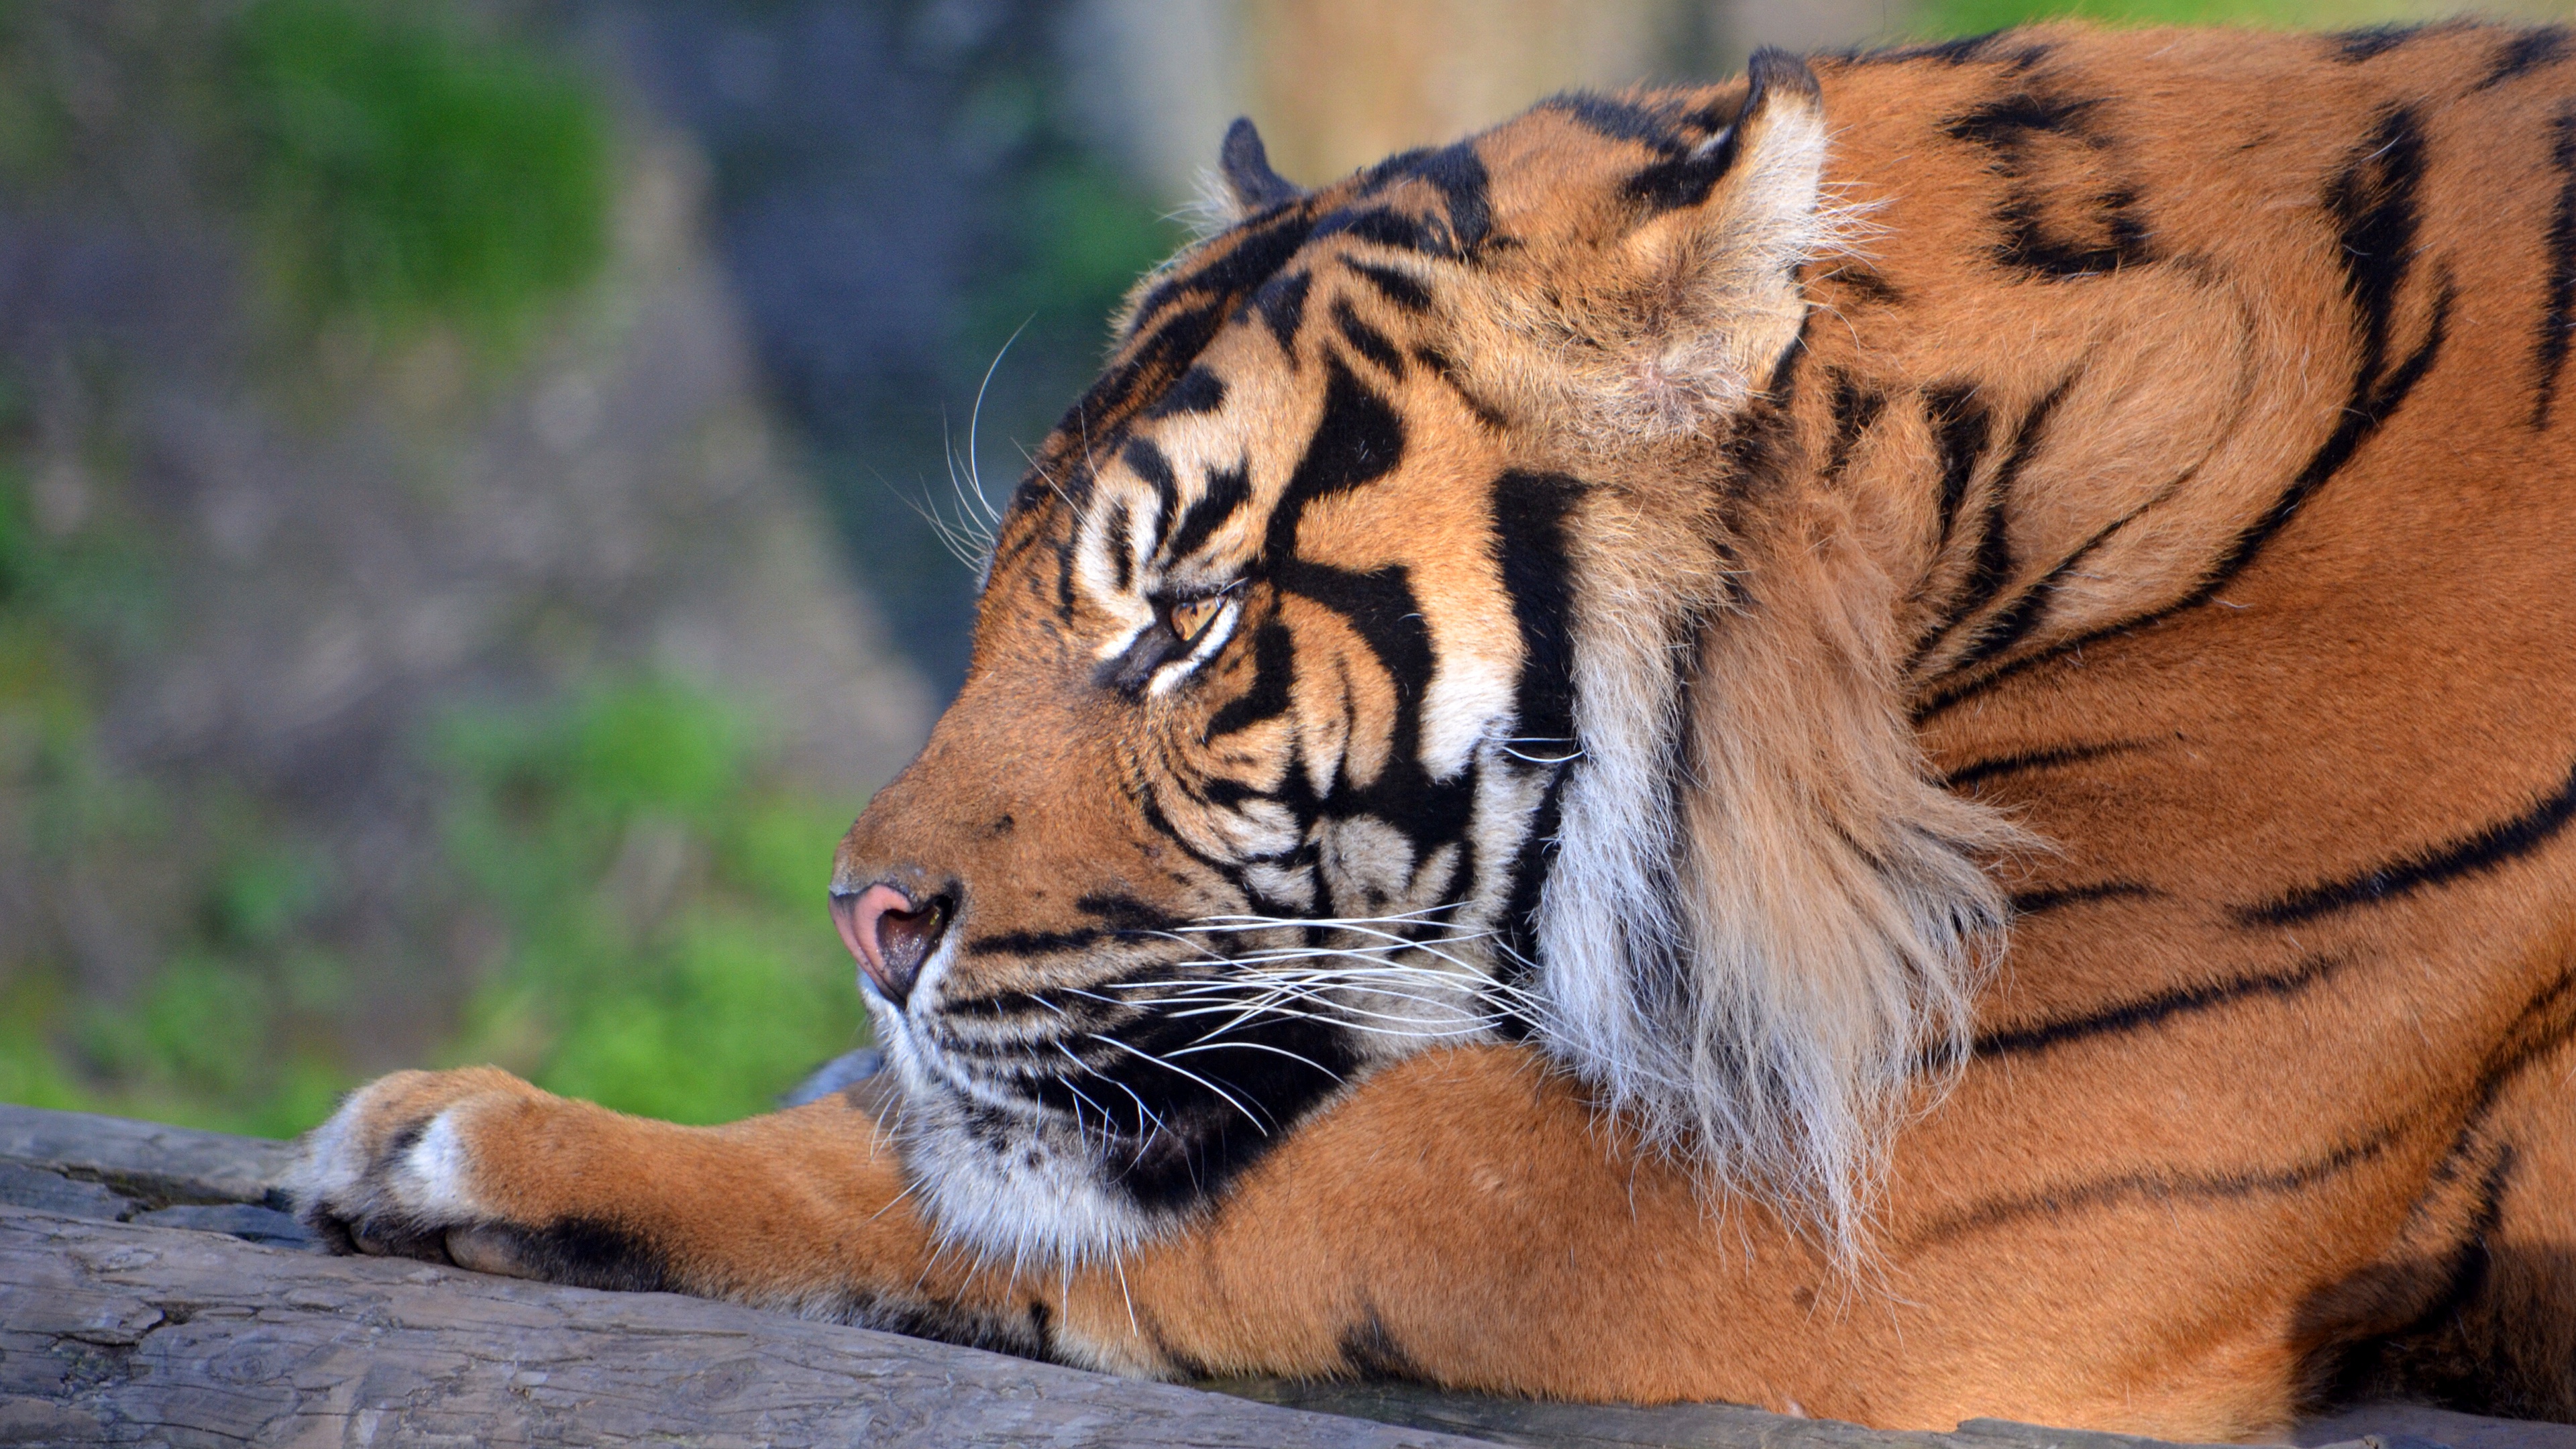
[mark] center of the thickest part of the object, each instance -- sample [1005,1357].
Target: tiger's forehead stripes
[1437,204]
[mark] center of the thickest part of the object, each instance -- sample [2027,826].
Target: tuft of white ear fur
[1713,299]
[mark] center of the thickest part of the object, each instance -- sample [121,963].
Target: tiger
[1890,740]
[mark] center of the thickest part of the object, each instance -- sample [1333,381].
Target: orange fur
[2155,506]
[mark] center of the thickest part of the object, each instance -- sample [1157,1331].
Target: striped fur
[1508,728]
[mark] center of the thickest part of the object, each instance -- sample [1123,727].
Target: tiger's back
[2276,657]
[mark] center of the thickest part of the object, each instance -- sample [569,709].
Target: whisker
[1148,1114]
[1254,1046]
[1186,1072]
[975,416]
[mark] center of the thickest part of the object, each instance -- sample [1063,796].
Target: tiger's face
[1270,733]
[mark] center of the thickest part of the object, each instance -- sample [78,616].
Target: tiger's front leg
[1459,1218]
[1463,1217]
[806,1211]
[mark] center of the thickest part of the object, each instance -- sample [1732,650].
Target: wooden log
[146,1161]
[118,1333]
[151,1292]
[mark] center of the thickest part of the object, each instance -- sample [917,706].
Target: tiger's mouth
[1110,1099]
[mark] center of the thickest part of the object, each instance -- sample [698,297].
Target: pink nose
[890,935]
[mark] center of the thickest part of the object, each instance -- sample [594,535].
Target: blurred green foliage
[650,908]
[668,952]
[1970,17]
[636,903]
[409,171]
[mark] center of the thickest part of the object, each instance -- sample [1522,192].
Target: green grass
[406,171]
[655,899]
[670,952]
[1970,17]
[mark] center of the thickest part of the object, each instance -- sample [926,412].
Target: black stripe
[1274,675]
[1620,120]
[2421,1357]
[2527,51]
[2158,1185]
[2473,1262]
[1157,821]
[1530,551]
[2037,599]
[2031,903]
[1387,227]
[1530,513]
[2519,1049]
[2030,245]
[1198,391]
[1125,912]
[1358,441]
[1122,551]
[1866,284]
[995,1006]
[1148,364]
[1367,341]
[1960,429]
[2373,202]
[2019,761]
[1685,180]
[1245,258]
[1993,565]
[2497,844]
[2147,1011]
[1396,285]
[1282,304]
[2017,620]
[1122,917]
[2010,624]
[1148,462]
[1228,489]
[1038,943]
[2005,128]
[1990,566]
[1855,411]
[2558,310]
[2352,47]
[1445,368]
[1960,51]
[1458,174]
[2003,123]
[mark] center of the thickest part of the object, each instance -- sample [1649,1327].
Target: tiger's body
[1505,730]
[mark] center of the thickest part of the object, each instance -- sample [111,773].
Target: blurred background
[472,475]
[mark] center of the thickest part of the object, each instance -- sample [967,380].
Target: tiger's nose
[891,934]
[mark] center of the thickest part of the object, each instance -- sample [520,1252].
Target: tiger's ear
[1705,297]
[1244,163]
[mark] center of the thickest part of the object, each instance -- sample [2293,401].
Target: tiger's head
[1408,640]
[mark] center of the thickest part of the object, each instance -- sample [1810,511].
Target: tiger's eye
[1190,617]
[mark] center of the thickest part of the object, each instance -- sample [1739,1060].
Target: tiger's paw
[400,1171]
